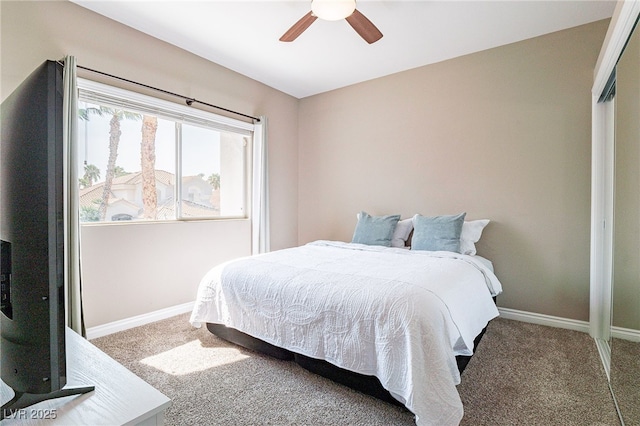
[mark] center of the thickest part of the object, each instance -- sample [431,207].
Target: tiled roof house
[125,201]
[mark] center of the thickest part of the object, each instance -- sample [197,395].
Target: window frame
[102,94]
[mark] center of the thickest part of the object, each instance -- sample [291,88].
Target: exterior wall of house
[232,174]
[503,134]
[129,269]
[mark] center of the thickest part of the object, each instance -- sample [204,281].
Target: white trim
[625,334]
[542,319]
[602,189]
[622,22]
[138,320]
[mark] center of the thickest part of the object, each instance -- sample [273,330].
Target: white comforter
[397,314]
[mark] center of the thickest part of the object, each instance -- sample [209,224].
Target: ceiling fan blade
[369,32]
[299,27]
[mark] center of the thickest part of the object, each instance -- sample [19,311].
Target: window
[144,159]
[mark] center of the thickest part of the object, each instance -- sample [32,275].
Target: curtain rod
[188,101]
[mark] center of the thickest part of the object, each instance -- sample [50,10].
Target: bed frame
[369,385]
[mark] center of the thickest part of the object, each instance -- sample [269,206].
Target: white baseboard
[507,313]
[625,333]
[542,319]
[127,323]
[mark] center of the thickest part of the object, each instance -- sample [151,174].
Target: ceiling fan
[334,10]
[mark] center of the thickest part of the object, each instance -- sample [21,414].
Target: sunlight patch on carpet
[192,357]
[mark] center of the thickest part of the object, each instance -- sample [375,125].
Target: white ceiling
[243,35]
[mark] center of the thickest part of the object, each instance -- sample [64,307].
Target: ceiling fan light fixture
[333,10]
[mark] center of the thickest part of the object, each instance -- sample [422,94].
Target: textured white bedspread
[397,314]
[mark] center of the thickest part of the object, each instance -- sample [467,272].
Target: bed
[399,323]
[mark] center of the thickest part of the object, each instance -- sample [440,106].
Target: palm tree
[83,183]
[148,165]
[114,140]
[83,113]
[117,115]
[87,180]
[119,171]
[214,180]
[91,175]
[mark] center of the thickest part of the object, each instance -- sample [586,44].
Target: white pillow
[471,233]
[401,233]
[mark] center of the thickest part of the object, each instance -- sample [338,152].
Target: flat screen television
[32,250]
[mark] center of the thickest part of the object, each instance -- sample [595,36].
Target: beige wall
[503,134]
[135,269]
[130,270]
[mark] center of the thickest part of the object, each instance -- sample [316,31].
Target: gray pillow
[437,233]
[375,230]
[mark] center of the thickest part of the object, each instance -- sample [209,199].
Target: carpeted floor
[625,378]
[526,374]
[522,374]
